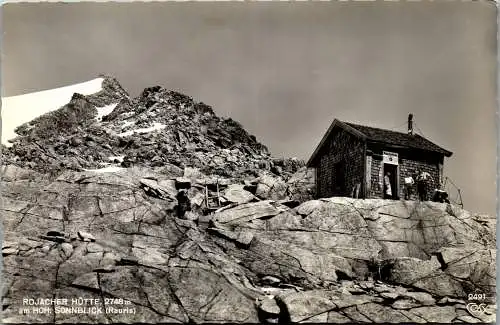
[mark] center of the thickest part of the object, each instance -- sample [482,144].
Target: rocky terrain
[156,128]
[265,252]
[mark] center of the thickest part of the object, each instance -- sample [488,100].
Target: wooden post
[460,195]
[218,195]
[206,195]
[368,177]
[440,178]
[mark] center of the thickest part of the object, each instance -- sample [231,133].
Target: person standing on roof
[423,180]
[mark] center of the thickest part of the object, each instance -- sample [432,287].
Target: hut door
[391,165]
[340,178]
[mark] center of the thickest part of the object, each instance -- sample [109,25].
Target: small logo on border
[474,308]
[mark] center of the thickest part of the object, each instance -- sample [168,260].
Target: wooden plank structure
[213,198]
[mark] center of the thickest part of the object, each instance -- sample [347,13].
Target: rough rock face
[112,236]
[434,247]
[101,236]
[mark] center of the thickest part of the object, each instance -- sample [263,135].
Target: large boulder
[301,185]
[271,187]
[236,193]
[246,212]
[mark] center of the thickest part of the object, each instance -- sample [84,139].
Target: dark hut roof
[398,138]
[372,134]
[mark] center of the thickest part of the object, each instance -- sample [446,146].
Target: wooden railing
[458,199]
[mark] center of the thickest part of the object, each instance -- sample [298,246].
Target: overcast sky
[285,70]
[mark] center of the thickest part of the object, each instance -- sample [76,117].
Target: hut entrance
[340,178]
[393,177]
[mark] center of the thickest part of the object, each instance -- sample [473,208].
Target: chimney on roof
[410,124]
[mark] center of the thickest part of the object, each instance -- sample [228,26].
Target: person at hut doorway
[423,180]
[387,186]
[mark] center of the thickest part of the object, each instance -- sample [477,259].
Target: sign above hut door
[390,158]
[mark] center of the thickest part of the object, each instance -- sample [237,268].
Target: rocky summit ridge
[267,253]
[158,127]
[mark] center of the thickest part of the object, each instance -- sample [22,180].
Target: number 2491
[476,296]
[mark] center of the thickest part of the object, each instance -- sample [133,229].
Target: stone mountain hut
[351,160]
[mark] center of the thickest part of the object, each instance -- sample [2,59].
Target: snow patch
[126,123]
[119,158]
[105,110]
[156,126]
[109,169]
[127,114]
[17,110]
